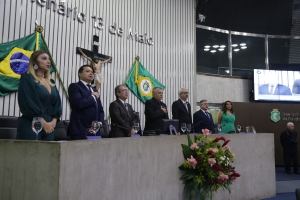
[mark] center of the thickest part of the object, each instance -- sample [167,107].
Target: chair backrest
[8,121]
[8,133]
[104,130]
[60,132]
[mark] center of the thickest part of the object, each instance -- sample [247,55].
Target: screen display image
[275,85]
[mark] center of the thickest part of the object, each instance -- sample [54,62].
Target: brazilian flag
[14,60]
[141,82]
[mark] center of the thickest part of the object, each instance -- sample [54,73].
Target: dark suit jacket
[121,118]
[201,121]
[279,90]
[288,146]
[84,110]
[154,116]
[180,112]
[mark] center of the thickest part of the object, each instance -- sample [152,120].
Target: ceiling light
[236,49]
[216,46]
[221,49]
[206,49]
[243,44]
[222,46]
[243,47]
[227,71]
[213,51]
[207,46]
[234,45]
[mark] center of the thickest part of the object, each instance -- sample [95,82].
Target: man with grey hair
[155,112]
[288,140]
[203,119]
[181,109]
[121,113]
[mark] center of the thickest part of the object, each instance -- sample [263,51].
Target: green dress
[35,101]
[228,123]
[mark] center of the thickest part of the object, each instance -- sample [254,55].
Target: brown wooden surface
[258,115]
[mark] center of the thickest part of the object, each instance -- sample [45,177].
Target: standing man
[203,119]
[288,140]
[121,114]
[181,109]
[155,112]
[85,104]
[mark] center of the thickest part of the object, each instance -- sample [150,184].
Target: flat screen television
[276,85]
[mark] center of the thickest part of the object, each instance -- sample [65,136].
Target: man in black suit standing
[155,112]
[85,104]
[121,114]
[181,109]
[288,140]
[203,119]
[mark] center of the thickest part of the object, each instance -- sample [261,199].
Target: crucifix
[96,60]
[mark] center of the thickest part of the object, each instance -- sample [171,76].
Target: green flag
[14,60]
[141,82]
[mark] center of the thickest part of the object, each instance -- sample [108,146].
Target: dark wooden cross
[94,53]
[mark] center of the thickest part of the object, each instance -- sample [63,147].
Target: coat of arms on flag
[141,82]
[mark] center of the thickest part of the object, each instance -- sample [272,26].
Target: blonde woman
[38,97]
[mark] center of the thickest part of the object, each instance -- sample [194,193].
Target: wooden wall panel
[258,115]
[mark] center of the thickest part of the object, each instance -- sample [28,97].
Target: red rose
[225,143]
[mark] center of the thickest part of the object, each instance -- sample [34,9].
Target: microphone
[196,125]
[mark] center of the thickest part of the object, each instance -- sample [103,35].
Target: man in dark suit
[288,140]
[85,104]
[203,119]
[181,109]
[274,89]
[155,112]
[121,114]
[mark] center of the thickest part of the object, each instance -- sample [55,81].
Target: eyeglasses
[124,90]
[185,93]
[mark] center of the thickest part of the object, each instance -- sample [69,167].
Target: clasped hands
[49,126]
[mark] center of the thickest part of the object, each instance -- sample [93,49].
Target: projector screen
[275,85]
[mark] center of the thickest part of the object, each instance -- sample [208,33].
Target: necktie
[207,114]
[272,89]
[126,106]
[186,106]
[89,86]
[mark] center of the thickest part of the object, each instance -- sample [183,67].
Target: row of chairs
[8,128]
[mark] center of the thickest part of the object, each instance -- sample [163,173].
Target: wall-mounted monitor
[275,85]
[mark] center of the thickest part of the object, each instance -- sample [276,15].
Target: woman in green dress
[38,97]
[226,118]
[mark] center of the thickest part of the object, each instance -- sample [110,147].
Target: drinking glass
[188,128]
[183,127]
[37,125]
[95,126]
[239,127]
[219,127]
[136,127]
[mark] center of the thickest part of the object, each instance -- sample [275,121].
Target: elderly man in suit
[121,113]
[203,119]
[85,104]
[288,140]
[155,112]
[181,109]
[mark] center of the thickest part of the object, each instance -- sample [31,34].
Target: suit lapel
[183,106]
[123,107]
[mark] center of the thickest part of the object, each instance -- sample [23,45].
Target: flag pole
[39,30]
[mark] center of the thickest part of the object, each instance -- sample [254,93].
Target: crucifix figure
[96,60]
